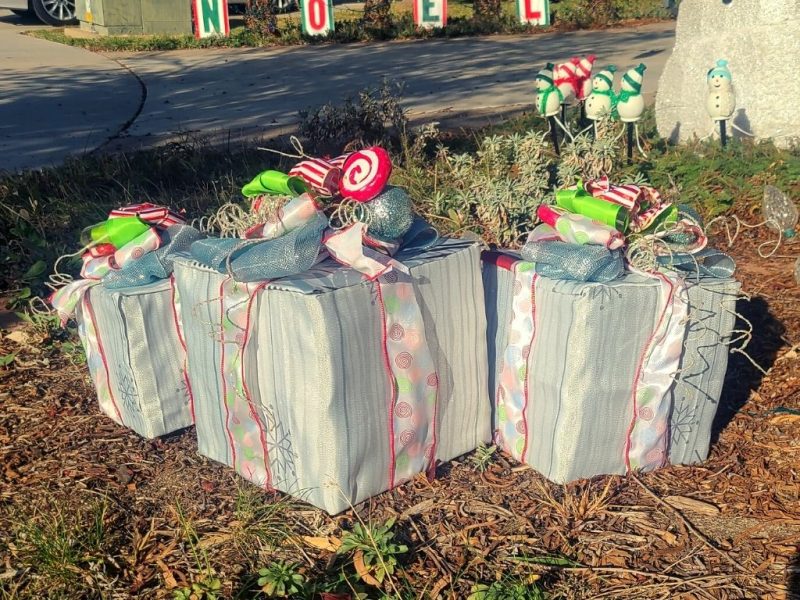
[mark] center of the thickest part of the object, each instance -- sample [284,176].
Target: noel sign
[210,18]
[317,16]
[430,13]
[533,12]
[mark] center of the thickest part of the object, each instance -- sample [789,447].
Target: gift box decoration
[128,314]
[595,378]
[136,356]
[334,387]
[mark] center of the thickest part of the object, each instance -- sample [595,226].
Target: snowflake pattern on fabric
[127,391]
[281,453]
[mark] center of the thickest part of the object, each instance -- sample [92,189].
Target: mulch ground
[728,528]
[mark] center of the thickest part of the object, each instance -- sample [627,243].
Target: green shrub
[600,13]
[362,121]
[260,18]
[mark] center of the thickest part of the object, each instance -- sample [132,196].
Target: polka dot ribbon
[413,403]
[512,396]
[243,424]
[648,434]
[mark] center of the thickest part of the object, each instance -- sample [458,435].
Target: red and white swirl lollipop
[365,174]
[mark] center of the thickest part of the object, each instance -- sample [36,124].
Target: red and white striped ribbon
[339,160]
[323,176]
[157,216]
[628,196]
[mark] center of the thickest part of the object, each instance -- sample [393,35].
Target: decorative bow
[129,233]
[647,210]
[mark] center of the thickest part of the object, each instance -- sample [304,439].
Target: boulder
[760,41]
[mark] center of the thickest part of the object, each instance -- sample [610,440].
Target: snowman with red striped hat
[583,73]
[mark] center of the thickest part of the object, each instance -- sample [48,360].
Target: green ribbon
[578,200]
[118,231]
[274,183]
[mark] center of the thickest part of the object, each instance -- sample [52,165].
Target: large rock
[760,40]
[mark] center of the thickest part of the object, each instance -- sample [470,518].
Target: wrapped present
[136,356]
[332,386]
[127,309]
[595,378]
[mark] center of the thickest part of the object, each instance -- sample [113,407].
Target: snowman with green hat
[721,101]
[601,101]
[630,102]
[548,96]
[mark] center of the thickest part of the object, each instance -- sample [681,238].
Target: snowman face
[599,83]
[718,82]
[541,84]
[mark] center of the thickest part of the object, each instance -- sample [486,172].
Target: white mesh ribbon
[243,426]
[646,446]
[512,387]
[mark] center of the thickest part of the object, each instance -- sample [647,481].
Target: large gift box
[333,387]
[601,378]
[136,355]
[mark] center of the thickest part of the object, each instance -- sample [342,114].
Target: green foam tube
[274,182]
[580,202]
[118,231]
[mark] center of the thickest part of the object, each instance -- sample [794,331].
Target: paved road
[245,93]
[57,100]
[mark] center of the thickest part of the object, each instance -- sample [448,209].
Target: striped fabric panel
[199,291]
[698,387]
[144,357]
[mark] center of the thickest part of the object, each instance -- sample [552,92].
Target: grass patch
[66,549]
[567,15]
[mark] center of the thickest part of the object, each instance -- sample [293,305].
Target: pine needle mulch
[89,510]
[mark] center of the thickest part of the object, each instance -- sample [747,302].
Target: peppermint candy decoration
[365,174]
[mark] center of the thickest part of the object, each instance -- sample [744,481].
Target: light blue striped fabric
[316,374]
[137,329]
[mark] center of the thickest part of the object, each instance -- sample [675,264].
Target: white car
[62,12]
[52,12]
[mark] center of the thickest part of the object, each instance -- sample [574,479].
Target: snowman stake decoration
[565,78]
[548,102]
[583,83]
[721,101]
[629,106]
[601,102]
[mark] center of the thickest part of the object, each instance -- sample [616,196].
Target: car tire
[55,12]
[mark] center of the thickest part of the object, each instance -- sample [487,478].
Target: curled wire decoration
[725,222]
[347,212]
[232,220]
[298,147]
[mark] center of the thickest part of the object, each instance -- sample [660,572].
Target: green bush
[600,13]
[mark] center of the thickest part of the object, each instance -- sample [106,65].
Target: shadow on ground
[742,377]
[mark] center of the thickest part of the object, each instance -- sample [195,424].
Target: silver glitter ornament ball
[389,215]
